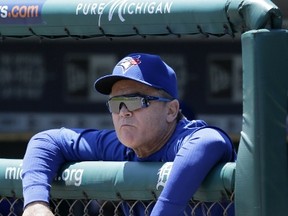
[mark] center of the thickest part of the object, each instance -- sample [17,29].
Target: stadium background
[46,84]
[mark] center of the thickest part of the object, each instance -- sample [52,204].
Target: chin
[128,143]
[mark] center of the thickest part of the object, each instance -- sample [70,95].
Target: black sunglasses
[132,102]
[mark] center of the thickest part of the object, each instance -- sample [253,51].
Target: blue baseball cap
[145,68]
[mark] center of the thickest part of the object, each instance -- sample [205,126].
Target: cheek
[115,121]
[154,122]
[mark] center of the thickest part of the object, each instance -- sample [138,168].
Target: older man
[149,126]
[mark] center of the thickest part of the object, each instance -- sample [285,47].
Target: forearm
[40,164]
[192,164]
[46,153]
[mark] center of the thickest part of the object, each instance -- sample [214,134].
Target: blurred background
[49,83]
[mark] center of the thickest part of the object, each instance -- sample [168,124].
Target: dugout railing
[102,188]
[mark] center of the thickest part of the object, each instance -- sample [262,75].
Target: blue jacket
[195,148]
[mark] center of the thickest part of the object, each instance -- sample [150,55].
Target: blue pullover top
[195,148]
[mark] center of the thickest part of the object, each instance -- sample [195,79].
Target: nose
[123,111]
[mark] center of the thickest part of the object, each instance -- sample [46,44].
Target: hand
[37,209]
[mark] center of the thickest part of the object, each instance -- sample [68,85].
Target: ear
[172,110]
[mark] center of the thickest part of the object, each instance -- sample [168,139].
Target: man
[149,126]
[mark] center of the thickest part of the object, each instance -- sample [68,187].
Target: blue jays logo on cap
[129,62]
[144,68]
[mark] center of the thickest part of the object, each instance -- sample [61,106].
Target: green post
[261,170]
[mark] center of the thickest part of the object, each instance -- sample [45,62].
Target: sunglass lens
[131,103]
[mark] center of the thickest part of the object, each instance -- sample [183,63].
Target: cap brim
[104,84]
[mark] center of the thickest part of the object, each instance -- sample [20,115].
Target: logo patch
[129,62]
[163,175]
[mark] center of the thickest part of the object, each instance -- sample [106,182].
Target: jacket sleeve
[199,153]
[47,151]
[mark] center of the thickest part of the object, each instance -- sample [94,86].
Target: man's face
[145,128]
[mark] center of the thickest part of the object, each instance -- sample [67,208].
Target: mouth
[126,125]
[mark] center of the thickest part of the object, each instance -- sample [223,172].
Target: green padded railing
[116,181]
[64,18]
